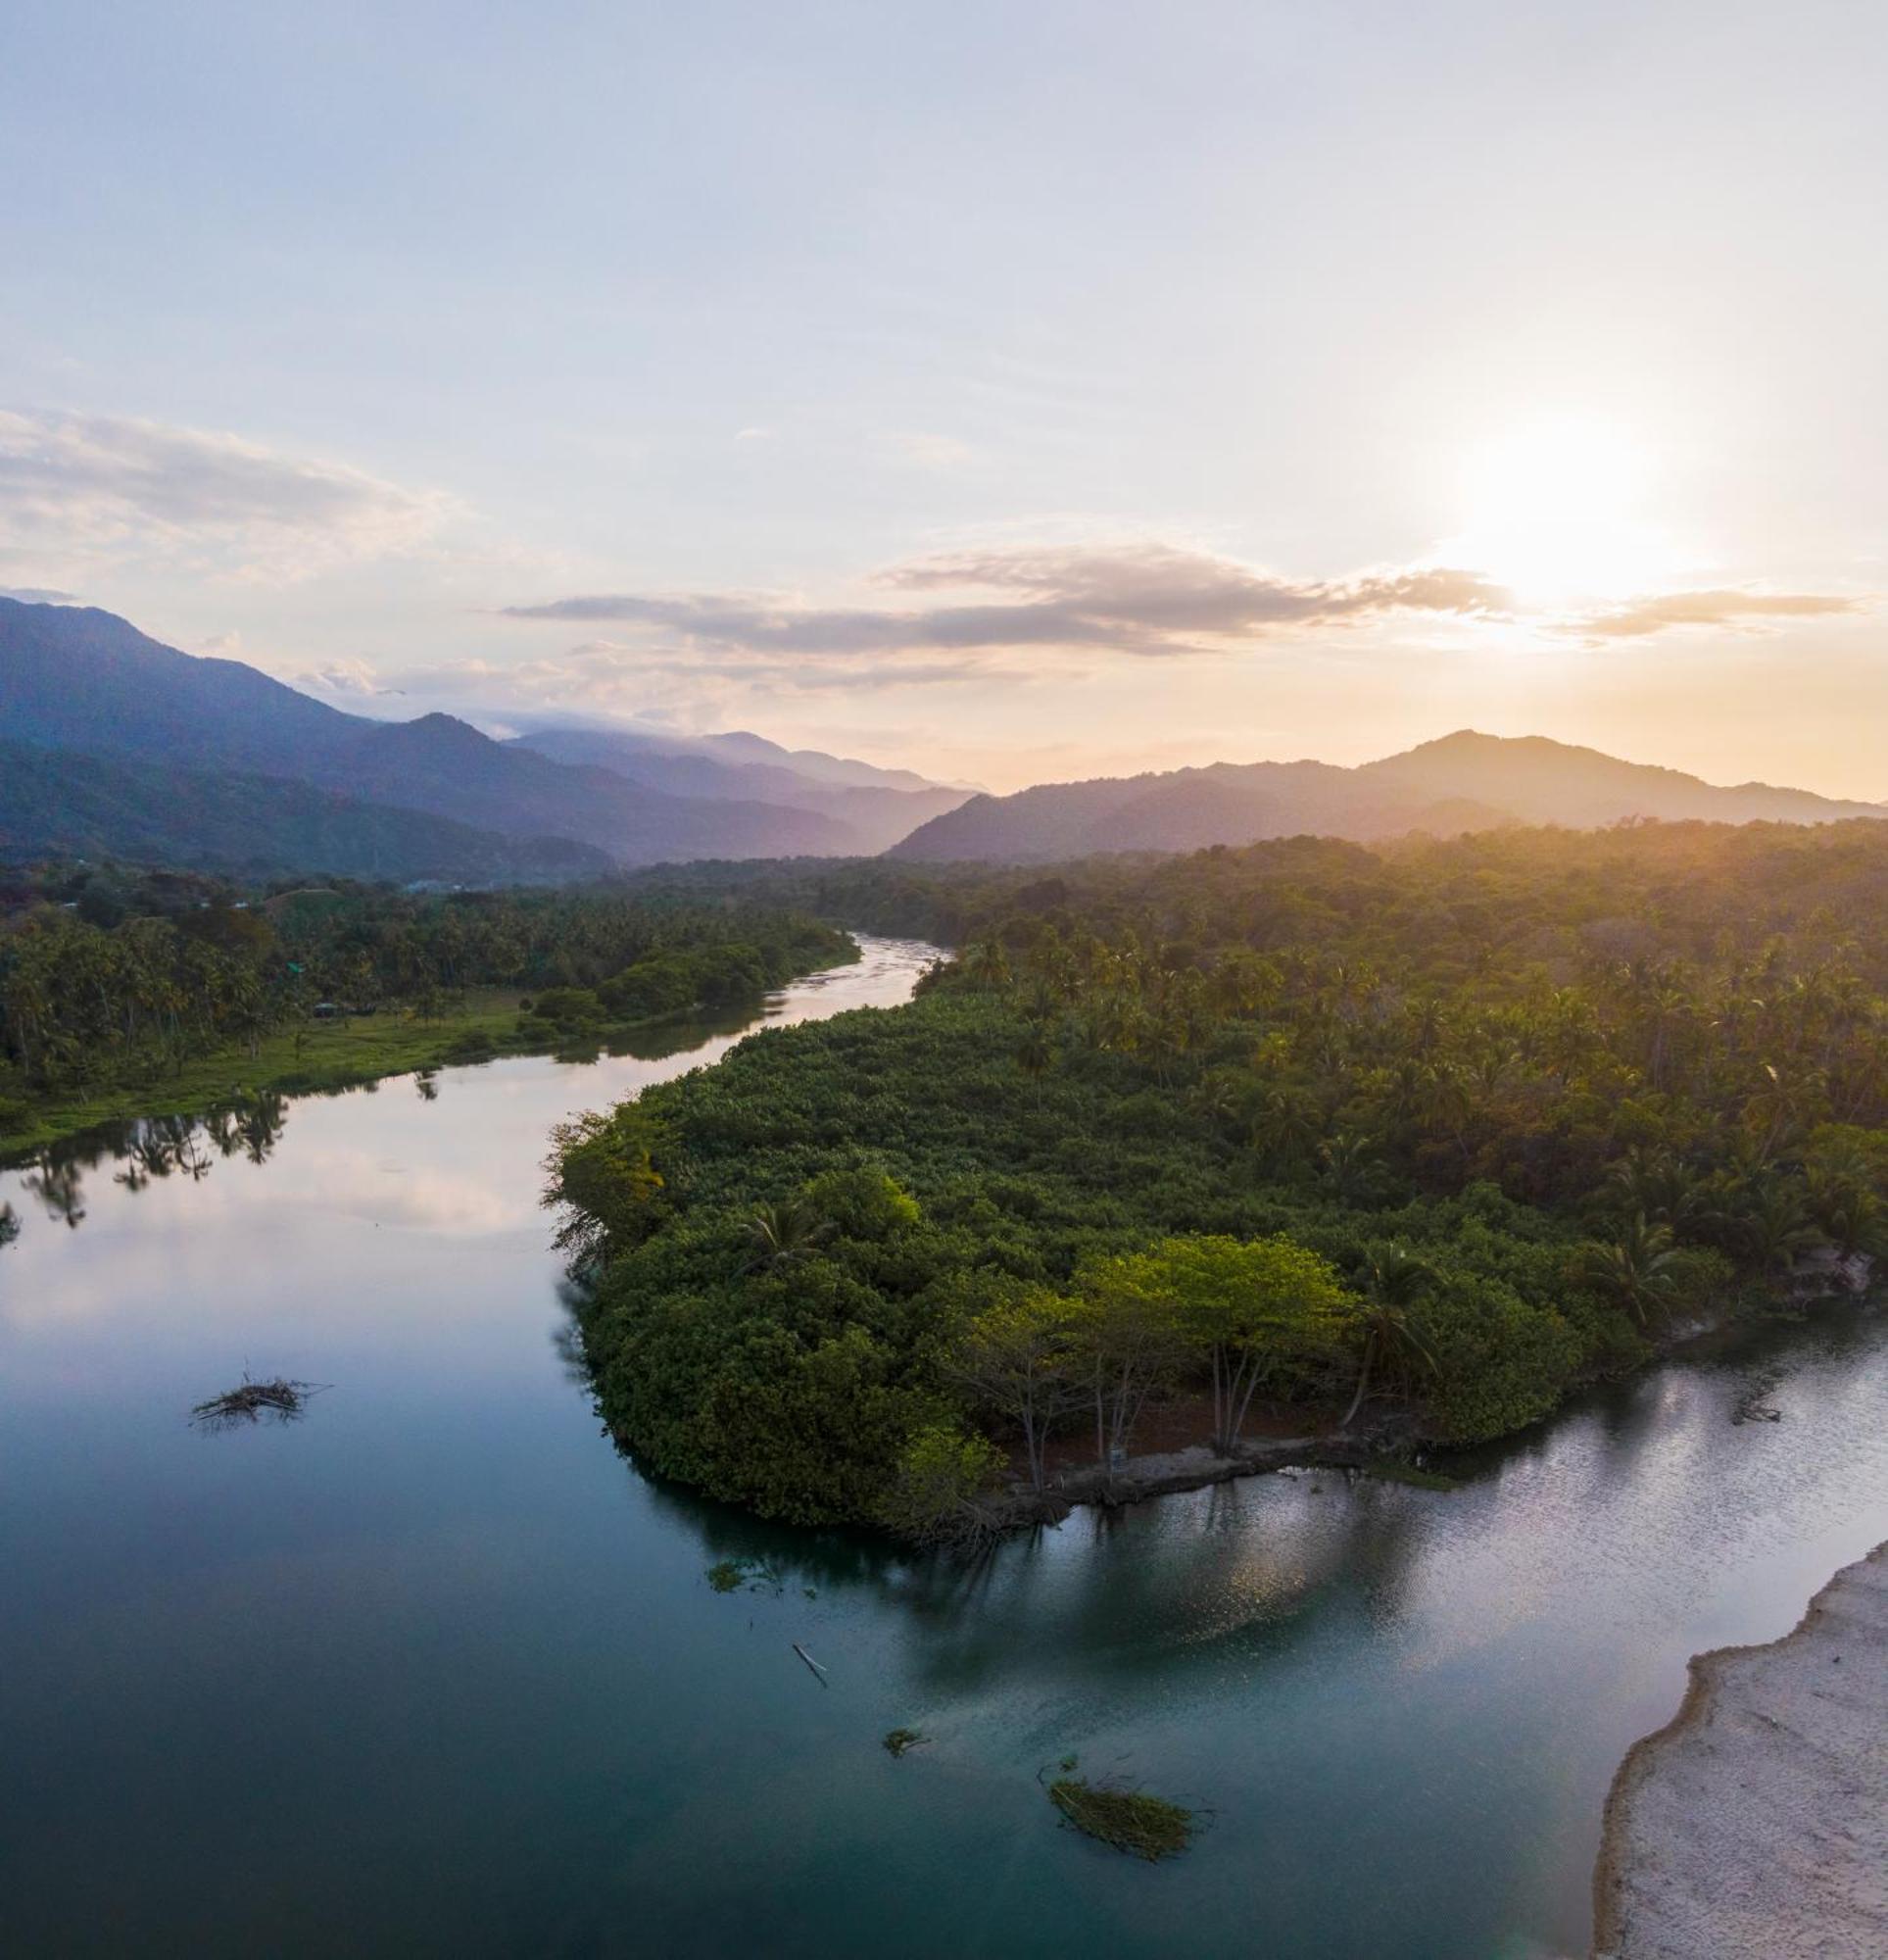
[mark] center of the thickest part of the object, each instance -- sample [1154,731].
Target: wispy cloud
[1662,612]
[610,678]
[344,677]
[79,487]
[930,452]
[1147,600]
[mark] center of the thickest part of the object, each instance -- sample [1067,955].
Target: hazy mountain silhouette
[876,807]
[60,803]
[78,678]
[74,680]
[1462,782]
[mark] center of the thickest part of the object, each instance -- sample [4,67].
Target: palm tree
[1285,1124]
[1391,1283]
[1637,1269]
[987,964]
[1351,1166]
[1036,1054]
[1848,1211]
[1653,1183]
[785,1235]
[1778,1229]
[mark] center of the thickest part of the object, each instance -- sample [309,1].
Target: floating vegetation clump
[744,1575]
[1400,1470]
[279,1400]
[899,1740]
[1129,1820]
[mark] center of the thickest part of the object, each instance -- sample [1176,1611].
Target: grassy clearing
[305,1060]
[1128,1820]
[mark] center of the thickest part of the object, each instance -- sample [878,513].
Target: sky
[1015,392]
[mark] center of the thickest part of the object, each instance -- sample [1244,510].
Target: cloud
[624,681]
[80,487]
[39,595]
[930,452]
[1662,612]
[1140,599]
[345,677]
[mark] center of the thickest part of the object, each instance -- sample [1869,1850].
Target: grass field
[305,1060]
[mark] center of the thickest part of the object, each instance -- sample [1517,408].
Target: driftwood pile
[280,1400]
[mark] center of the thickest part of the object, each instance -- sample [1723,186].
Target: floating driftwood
[819,1673]
[280,1400]
[1129,1820]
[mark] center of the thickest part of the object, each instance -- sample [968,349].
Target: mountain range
[873,808]
[77,681]
[113,744]
[1466,781]
[59,803]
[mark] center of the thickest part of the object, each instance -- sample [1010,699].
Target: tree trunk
[1363,1386]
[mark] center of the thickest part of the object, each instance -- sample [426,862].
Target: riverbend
[433,1671]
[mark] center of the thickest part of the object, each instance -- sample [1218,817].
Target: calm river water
[434,1671]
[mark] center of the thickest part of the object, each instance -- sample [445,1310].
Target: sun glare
[1556,512]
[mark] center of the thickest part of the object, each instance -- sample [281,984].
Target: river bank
[1393,1446]
[322,1057]
[308,1058]
[1752,1826]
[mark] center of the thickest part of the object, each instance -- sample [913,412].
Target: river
[435,1671]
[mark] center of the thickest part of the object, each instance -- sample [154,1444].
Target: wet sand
[1755,1824]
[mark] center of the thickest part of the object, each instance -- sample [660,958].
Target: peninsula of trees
[1417,1137]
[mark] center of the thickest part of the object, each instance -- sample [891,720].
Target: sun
[1555,510]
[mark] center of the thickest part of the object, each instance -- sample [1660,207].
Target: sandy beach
[1755,1824]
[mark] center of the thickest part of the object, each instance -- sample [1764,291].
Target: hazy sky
[1015,391]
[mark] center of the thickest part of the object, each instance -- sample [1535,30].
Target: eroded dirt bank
[1755,1824]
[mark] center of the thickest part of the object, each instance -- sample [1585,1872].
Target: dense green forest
[113,974]
[1411,1139]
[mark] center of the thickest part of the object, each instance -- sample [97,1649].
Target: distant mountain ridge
[879,813]
[1466,781]
[59,803]
[79,679]
[154,752]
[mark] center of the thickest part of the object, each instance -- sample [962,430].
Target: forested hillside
[56,803]
[1415,1136]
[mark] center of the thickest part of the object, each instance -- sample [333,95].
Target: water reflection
[508,1713]
[148,1149]
[57,1183]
